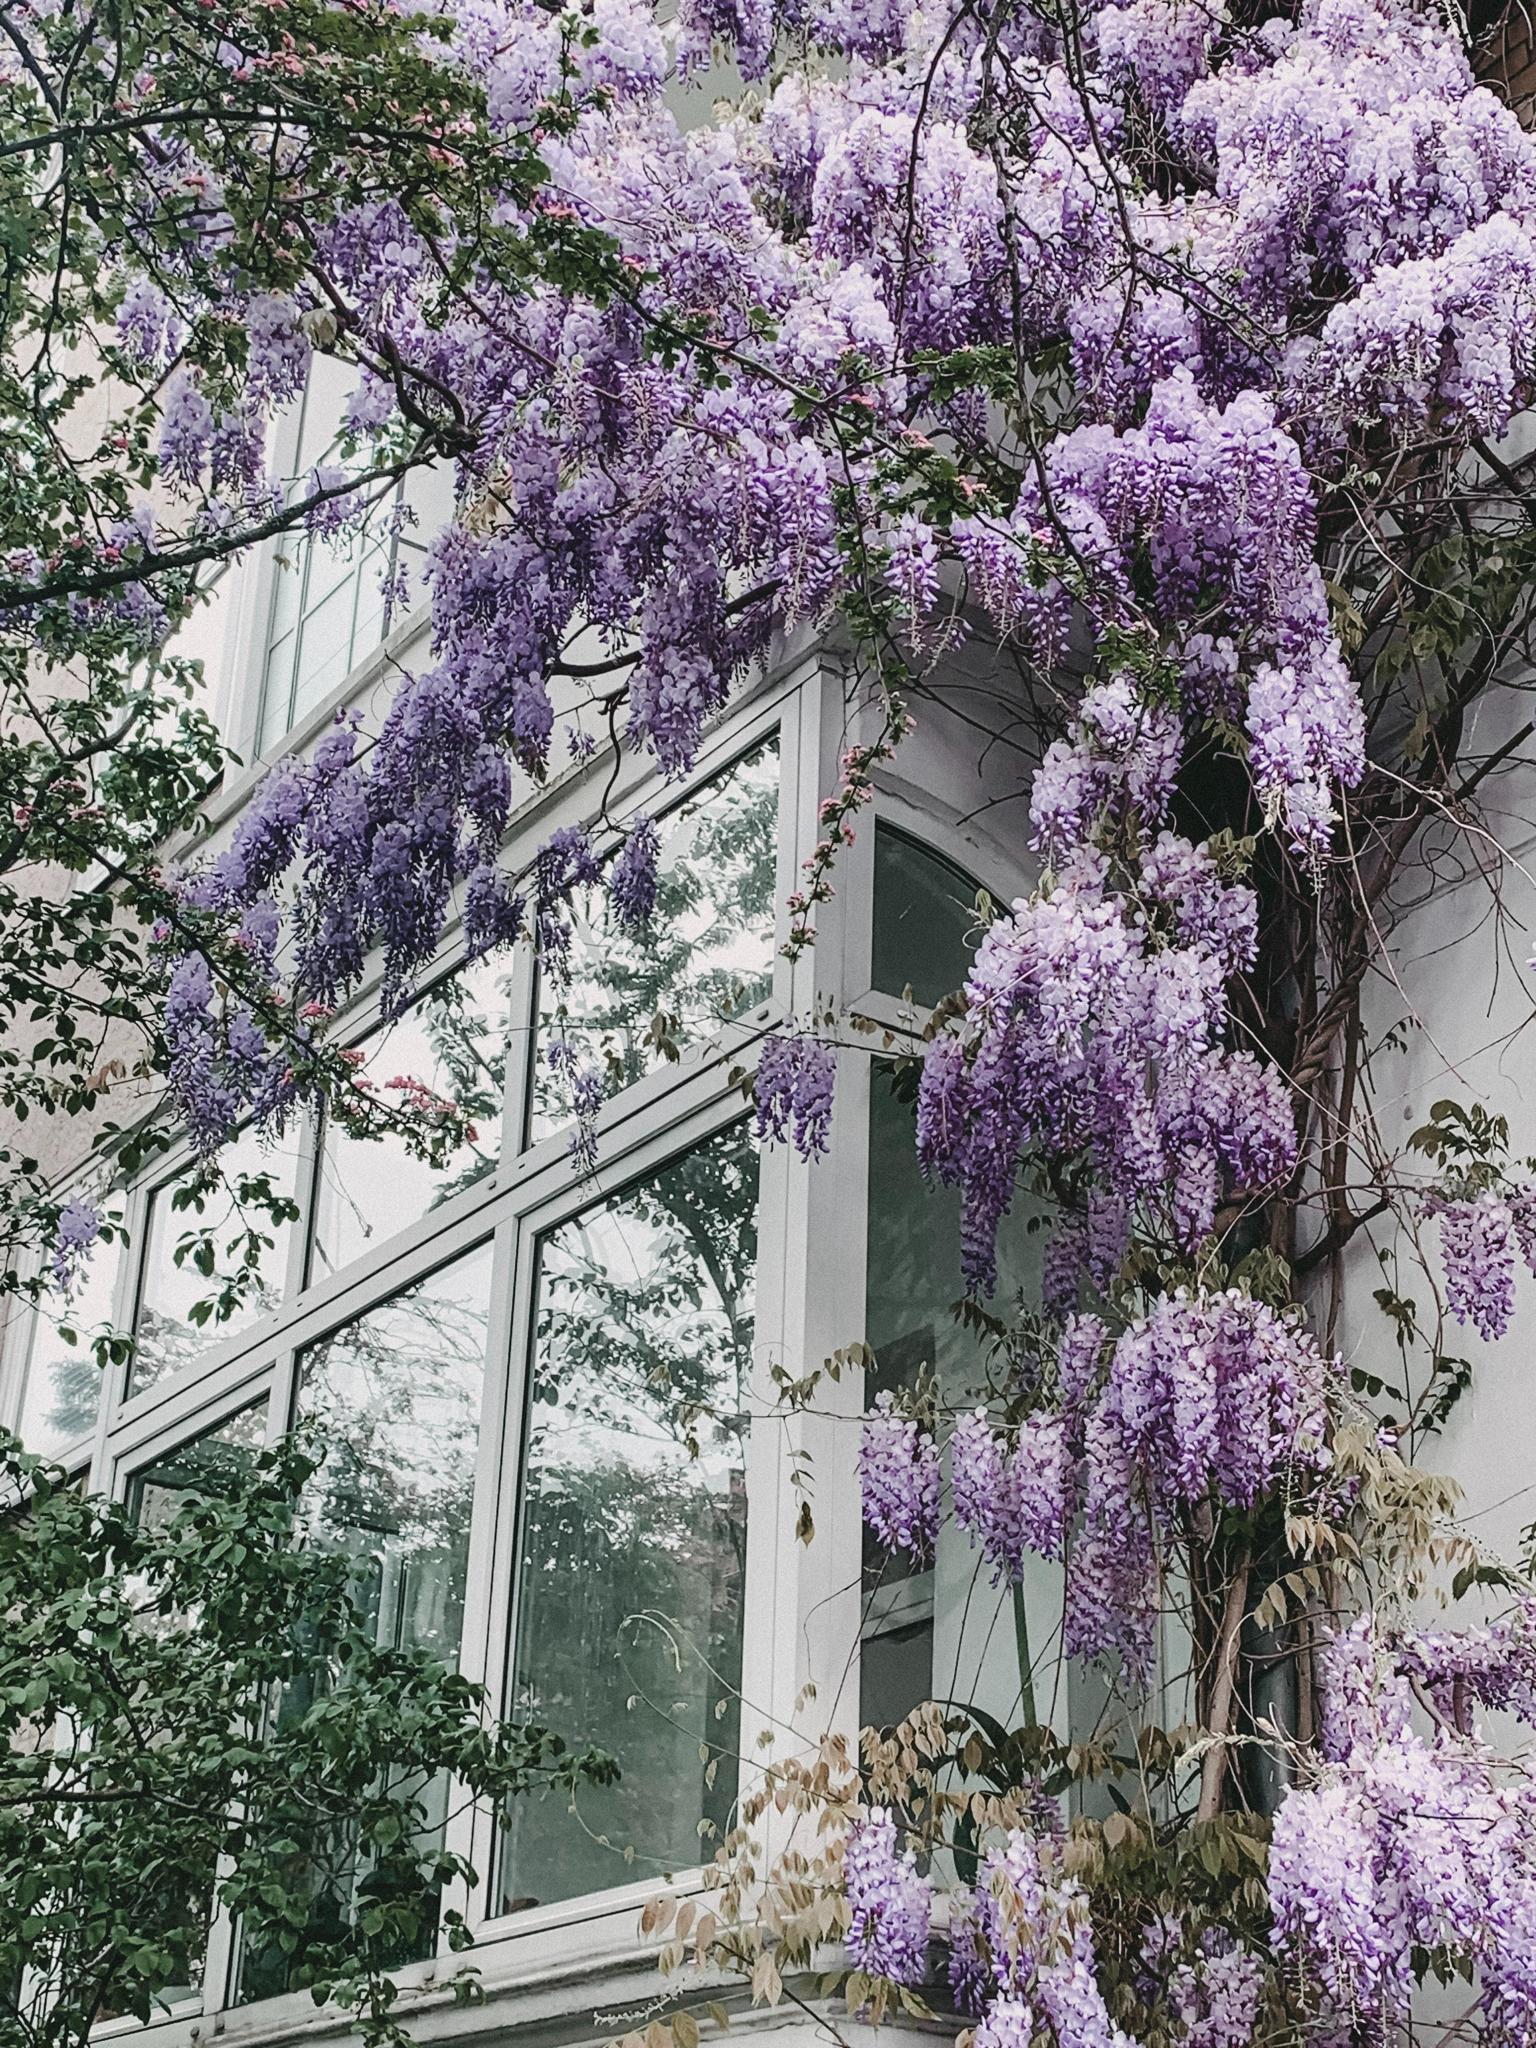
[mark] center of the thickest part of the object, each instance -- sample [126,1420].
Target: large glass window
[214,1258]
[630,1000]
[632,1548]
[205,1466]
[925,919]
[454,1040]
[328,608]
[71,1341]
[395,1397]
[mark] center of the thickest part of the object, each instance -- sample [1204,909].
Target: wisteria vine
[1118,340]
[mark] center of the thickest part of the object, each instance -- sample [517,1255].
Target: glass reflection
[455,1041]
[630,1001]
[214,1257]
[71,1346]
[395,1399]
[629,1589]
[205,1467]
[208,1465]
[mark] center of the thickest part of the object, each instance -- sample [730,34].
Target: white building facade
[552,1393]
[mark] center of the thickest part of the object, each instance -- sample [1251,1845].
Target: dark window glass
[943,1632]
[925,914]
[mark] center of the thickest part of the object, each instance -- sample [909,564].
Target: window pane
[287,584]
[368,617]
[181,1911]
[707,957]
[943,1632]
[629,1590]
[206,1465]
[62,1395]
[277,693]
[455,1040]
[337,585]
[924,907]
[396,1397]
[181,1310]
[325,642]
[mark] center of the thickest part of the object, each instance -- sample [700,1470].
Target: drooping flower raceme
[899,1471]
[632,884]
[889,1904]
[79,1228]
[1209,1398]
[1407,1843]
[793,1092]
[1478,1240]
[1093,1021]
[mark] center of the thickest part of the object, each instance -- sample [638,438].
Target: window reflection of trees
[629,1000]
[394,1401]
[210,1466]
[215,1256]
[634,1527]
[394,1398]
[454,1039]
[71,1347]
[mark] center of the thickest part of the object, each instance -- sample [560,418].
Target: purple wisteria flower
[632,878]
[1090,1031]
[1013,1499]
[1407,1843]
[889,1904]
[186,430]
[793,1093]
[1479,1239]
[79,1228]
[899,1473]
[147,327]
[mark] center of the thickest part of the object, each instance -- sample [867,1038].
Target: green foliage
[107,752]
[192,1708]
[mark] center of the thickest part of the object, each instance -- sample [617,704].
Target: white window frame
[803,1603]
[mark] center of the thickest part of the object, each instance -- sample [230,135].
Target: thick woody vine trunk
[1218,1717]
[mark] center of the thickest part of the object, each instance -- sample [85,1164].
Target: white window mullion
[472,1832]
[817,1242]
[490,1620]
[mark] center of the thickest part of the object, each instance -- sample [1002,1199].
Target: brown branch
[1213,1770]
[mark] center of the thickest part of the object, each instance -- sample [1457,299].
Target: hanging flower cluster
[1479,1238]
[899,1471]
[1040,1951]
[1409,1843]
[793,1092]
[1093,1024]
[79,1227]
[1208,1398]
[889,1904]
